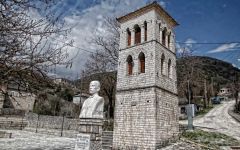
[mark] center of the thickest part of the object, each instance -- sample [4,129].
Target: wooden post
[37,123]
[62,125]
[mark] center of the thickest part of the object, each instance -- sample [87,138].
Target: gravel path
[24,140]
[218,120]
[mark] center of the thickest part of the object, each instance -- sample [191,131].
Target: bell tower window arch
[129,65]
[162,64]
[137,30]
[141,58]
[128,37]
[164,32]
[169,68]
[145,31]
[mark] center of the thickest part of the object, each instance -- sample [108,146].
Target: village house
[80,98]
[225,93]
[17,98]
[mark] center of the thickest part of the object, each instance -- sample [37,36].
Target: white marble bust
[93,106]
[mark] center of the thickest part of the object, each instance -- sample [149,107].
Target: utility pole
[80,95]
[212,86]
[190,109]
[205,94]
[189,94]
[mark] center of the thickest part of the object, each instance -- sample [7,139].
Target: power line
[196,43]
[208,43]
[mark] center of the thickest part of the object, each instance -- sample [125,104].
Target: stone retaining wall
[11,112]
[51,122]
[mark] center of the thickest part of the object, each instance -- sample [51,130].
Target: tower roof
[149,7]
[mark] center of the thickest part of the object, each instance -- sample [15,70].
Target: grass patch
[210,139]
[206,110]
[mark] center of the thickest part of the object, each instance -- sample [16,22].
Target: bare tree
[188,72]
[105,59]
[235,88]
[28,45]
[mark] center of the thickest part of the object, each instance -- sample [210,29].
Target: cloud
[189,42]
[186,47]
[225,48]
[86,19]
[87,22]
[224,5]
[163,4]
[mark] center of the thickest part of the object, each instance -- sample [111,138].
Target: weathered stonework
[146,108]
[92,127]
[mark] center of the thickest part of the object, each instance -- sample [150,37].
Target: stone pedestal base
[93,127]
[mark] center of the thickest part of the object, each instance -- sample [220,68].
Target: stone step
[107,140]
[107,137]
[108,147]
[108,133]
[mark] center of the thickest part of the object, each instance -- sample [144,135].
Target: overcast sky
[201,22]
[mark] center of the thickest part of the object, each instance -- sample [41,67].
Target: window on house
[169,68]
[141,58]
[128,37]
[130,65]
[137,34]
[164,32]
[145,31]
[162,63]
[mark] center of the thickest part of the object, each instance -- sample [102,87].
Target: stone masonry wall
[167,117]
[51,122]
[134,122]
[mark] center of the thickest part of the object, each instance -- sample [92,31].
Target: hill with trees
[216,73]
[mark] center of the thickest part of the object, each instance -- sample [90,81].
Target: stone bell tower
[146,108]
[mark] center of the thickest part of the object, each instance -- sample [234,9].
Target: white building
[225,93]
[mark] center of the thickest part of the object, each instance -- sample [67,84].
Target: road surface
[24,140]
[218,120]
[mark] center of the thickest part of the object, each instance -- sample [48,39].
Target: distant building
[65,82]
[80,98]
[225,93]
[62,81]
[20,98]
[17,98]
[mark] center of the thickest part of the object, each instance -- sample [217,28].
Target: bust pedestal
[92,127]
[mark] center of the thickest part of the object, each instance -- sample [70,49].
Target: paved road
[219,120]
[24,140]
